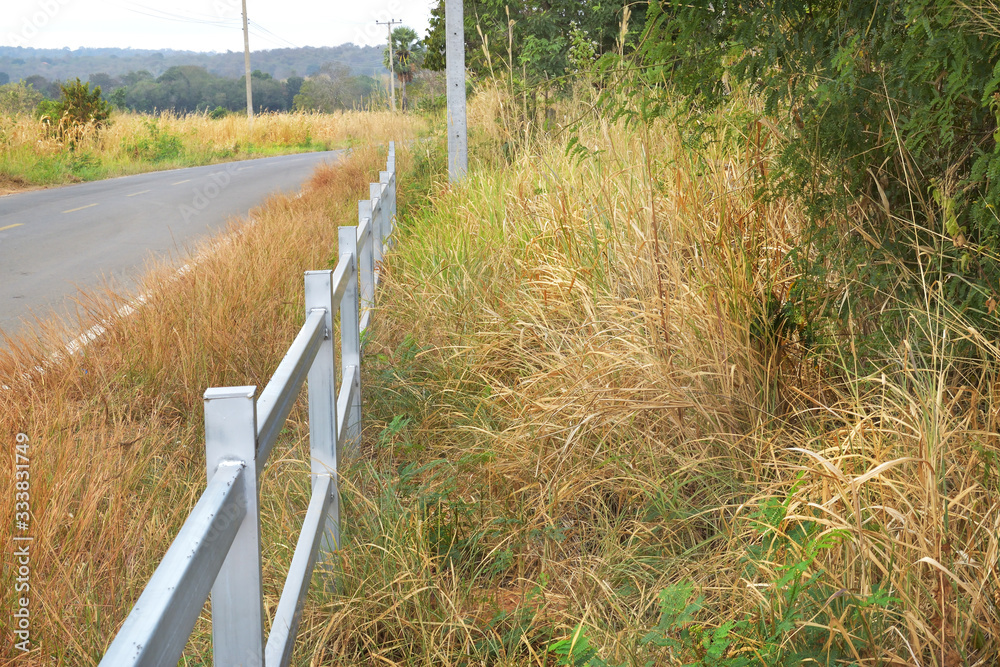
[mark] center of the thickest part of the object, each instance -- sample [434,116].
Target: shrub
[78,108]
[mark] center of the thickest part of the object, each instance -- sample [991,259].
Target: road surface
[53,242]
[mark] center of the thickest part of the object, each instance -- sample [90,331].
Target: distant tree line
[64,64]
[193,89]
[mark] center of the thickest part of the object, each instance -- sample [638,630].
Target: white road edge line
[93,333]
[77,345]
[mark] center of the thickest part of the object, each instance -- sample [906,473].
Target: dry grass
[116,443]
[580,405]
[133,143]
[574,402]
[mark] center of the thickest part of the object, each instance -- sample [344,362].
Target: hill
[19,63]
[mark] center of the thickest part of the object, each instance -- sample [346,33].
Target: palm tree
[408,52]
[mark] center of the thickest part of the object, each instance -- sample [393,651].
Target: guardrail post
[322,389]
[350,334]
[378,227]
[391,168]
[386,200]
[366,265]
[237,595]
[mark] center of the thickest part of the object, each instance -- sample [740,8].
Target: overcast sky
[204,25]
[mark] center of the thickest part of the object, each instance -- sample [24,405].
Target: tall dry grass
[583,421]
[32,154]
[116,439]
[584,398]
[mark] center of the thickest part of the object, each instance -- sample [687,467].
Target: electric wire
[279,37]
[181,18]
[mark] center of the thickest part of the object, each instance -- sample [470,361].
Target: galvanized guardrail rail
[218,547]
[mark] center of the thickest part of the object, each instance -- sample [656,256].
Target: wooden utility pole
[458,143]
[392,61]
[246,61]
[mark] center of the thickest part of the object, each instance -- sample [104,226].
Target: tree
[268,93]
[293,84]
[133,78]
[105,81]
[118,98]
[529,37]
[892,101]
[49,89]
[334,89]
[18,98]
[408,54]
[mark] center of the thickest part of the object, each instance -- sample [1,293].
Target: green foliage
[118,99]
[797,624]
[678,632]
[79,106]
[582,51]
[408,53]
[893,104]
[334,89]
[18,98]
[533,38]
[154,146]
[576,651]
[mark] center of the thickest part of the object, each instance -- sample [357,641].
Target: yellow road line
[179,182]
[137,193]
[80,208]
[10,226]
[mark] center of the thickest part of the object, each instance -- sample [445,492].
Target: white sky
[204,25]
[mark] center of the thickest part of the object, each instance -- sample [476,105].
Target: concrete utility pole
[458,142]
[392,61]
[246,61]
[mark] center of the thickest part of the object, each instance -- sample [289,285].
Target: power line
[222,22]
[276,36]
[168,16]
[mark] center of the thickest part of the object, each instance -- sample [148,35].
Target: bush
[79,107]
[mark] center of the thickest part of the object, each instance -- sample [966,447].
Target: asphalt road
[53,242]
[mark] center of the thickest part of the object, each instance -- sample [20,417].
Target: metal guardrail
[218,547]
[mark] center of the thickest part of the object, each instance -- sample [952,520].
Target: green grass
[588,438]
[32,155]
[559,445]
